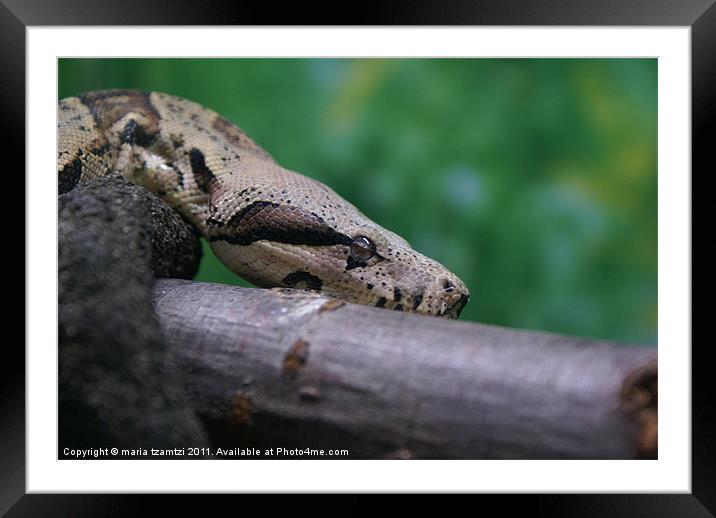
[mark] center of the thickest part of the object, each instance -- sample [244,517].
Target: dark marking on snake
[133,133]
[381,302]
[177,141]
[228,130]
[237,137]
[202,174]
[303,280]
[109,106]
[396,294]
[398,307]
[417,299]
[69,176]
[278,223]
[100,150]
[212,221]
[250,211]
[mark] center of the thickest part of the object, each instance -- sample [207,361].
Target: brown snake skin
[269,225]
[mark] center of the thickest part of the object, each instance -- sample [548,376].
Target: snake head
[301,234]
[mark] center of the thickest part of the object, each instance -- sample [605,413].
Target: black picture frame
[17,15]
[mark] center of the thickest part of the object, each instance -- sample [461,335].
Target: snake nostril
[448,287]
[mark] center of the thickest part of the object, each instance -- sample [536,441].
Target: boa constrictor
[269,225]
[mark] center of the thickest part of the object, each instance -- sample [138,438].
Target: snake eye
[362,249]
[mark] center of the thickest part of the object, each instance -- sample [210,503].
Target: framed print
[464,235]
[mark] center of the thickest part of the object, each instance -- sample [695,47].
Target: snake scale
[269,225]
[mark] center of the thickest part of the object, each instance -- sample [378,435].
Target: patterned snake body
[269,225]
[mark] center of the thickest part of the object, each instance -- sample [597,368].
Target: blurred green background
[535,180]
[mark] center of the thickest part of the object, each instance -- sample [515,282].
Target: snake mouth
[457,307]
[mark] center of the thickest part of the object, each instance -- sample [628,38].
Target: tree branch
[278,368]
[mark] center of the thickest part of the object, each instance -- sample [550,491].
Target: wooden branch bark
[268,368]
